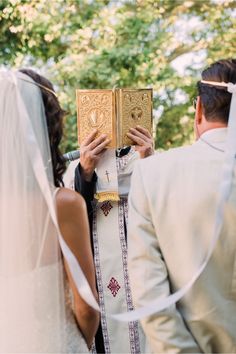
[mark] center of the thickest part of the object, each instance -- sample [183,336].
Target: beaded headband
[41,86]
[229,85]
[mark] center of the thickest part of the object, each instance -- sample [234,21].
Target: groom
[172,208]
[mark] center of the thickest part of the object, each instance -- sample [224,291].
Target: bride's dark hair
[54,115]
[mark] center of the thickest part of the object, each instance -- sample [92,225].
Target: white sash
[110,257]
[107,179]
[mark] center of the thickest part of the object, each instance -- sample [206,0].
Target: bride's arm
[74,227]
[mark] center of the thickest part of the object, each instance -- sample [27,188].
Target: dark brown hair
[54,115]
[216,100]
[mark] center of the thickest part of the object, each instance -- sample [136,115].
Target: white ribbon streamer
[78,276]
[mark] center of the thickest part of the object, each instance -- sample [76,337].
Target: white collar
[215,135]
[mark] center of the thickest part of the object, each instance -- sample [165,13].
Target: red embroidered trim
[114,286]
[106,208]
[133,326]
[100,287]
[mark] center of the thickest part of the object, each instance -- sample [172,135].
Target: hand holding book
[143,140]
[91,150]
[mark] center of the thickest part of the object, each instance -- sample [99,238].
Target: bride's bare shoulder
[69,202]
[72,218]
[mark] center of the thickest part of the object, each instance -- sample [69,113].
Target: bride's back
[33,291]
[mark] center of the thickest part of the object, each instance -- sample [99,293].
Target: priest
[102,176]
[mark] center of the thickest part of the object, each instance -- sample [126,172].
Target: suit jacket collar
[217,135]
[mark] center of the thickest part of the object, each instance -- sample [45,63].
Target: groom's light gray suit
[171,217]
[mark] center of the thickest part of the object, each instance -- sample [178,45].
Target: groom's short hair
[216,100]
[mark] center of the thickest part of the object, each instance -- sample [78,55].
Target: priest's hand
[91,150]
[143,140]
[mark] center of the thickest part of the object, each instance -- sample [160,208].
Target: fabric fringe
[105,196]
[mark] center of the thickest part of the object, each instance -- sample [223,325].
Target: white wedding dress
[75,342]
[50,335]
[35,302]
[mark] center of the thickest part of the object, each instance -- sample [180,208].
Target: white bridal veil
[32,310]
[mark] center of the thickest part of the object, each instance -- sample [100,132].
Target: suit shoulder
[167,156]
[164,165]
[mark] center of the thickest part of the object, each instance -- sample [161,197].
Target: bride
[41,309]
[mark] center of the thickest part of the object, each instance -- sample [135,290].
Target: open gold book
[113,112]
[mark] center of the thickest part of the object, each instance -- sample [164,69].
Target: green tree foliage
[128,43]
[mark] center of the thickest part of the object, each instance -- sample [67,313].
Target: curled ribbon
[78,276]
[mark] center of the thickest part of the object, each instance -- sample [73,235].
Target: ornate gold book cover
[96,110]
[134,108]
[113,112]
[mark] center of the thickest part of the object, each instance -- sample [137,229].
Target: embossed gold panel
[134,108]
[113,112]
[95,110]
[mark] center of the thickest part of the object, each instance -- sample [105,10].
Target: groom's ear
[199,111]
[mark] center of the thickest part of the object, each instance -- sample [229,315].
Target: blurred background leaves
[163,44]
